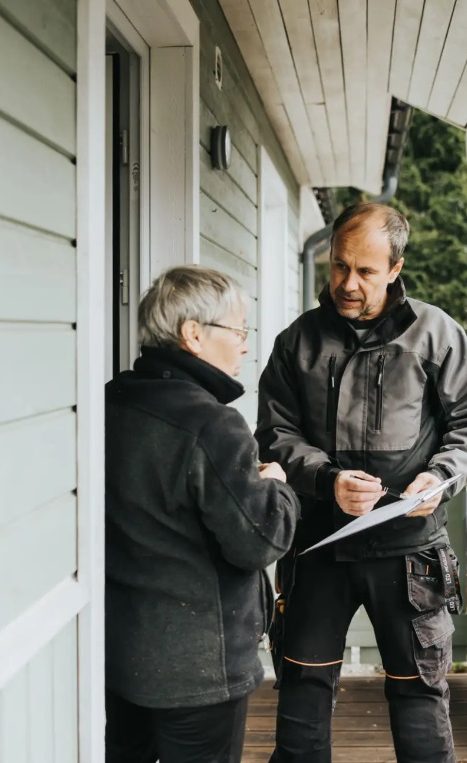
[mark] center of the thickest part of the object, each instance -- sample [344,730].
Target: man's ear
[396,269]
[191,337]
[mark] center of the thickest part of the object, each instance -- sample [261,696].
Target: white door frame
[273,256]
[171,30]
[139,232]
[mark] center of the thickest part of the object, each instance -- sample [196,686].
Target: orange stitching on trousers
[402,678]
[313,664]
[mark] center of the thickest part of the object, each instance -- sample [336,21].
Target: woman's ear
[192,337]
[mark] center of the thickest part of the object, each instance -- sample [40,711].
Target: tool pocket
[424,580]
[449,565]
[276,634]
[432,645]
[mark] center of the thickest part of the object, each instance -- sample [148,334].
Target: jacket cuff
[440,472]
[324,481]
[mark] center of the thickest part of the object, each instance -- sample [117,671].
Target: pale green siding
[38,528]
[38,707]
[229,200]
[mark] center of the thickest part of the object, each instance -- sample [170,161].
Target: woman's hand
[272,471]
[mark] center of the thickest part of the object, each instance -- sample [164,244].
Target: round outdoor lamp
[221,147]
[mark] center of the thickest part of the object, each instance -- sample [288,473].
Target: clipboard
[384,514]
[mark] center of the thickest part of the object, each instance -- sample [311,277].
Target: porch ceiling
[326,71]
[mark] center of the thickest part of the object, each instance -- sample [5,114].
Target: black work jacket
[190,525]
[393,405]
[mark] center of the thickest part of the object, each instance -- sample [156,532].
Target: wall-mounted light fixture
[221,147]
[218,67]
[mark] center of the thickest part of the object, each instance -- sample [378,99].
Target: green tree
[432,193]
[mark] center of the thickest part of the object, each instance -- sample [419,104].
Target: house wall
[38,707]
[229,200]
[45,500]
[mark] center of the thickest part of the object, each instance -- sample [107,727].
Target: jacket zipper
[331,406]
[379,393]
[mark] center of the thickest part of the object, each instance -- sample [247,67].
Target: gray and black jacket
[189,527]
[393,405]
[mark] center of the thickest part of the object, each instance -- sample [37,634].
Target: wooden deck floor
[361,731]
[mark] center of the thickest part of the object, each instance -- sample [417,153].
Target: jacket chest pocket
[379,392]
[331,402]
[396,385]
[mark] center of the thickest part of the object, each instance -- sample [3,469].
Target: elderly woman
[191,522]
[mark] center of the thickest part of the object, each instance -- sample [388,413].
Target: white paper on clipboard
[384,514]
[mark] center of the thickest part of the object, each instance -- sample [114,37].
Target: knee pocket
[432,645]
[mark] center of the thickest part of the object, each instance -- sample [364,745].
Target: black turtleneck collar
[396,318]
[175,363]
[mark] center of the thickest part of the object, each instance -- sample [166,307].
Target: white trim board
[273,257]
[90,354]
[45,619]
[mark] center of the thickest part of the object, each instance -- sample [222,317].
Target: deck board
[361,732]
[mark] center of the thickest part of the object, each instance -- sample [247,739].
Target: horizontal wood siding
[37,463]
[38,708]
[50,24]
[38,523]
[229,199]
[41,186]
[37,551]
[41,375]
[40,96]
[37,276]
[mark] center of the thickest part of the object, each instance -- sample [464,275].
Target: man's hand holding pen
[357,492]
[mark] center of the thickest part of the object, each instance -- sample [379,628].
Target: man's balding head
[378,217]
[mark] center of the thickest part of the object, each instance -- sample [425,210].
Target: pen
[387,490]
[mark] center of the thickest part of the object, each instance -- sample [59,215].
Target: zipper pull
[332,371]
[379,378]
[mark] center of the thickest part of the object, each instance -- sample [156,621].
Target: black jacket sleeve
[280,433]
[252,519]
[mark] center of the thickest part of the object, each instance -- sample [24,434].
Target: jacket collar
[396,319]
[174,363]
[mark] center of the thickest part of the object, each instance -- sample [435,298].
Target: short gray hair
[185,293]
[394,224]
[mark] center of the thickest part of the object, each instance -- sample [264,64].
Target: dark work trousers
[208,734]
[404,598]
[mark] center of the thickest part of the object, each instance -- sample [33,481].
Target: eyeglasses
[240,331]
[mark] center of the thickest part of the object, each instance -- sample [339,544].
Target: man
[367,390]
